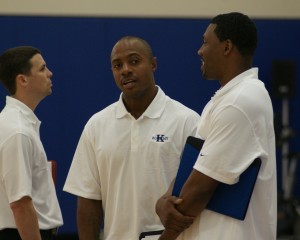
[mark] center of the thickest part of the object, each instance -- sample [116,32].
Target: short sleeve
[16,167]
[230,146]
[83,177]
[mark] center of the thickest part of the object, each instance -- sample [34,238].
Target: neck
[31,103]
[233,72]
[137,106]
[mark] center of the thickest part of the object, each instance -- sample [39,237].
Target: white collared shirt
[129,163]
[237,126]
[23,167]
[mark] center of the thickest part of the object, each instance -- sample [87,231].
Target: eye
[134,61]
[43,68]
[116,65]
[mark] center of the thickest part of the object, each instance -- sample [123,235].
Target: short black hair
[238,28]
[15,61]
[147,46]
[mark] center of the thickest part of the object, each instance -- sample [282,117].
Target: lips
[128,81]
[202,64]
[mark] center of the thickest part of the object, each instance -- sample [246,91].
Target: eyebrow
[42,66]
[128,56]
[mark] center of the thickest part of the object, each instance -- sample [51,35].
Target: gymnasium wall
[76,40]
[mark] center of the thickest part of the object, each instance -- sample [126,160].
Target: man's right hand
[170,217]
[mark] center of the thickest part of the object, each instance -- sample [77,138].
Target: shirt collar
[244,76]
[28,113]
[154,110]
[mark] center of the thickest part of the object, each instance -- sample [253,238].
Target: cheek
[146,73]
[117,79]
[116,75]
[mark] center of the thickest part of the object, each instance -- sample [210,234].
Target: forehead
[127,48]
[210,31]
[37,60]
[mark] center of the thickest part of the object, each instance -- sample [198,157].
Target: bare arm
[26,219]
[195,195]
[89,217]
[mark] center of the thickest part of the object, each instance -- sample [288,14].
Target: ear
[21,80]
[154,64]
[228,45]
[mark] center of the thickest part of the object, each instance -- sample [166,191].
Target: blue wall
[77,51]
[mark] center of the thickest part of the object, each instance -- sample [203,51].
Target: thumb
[177,200]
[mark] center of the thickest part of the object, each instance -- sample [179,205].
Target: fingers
[177,201]
[176,221]
[171,217]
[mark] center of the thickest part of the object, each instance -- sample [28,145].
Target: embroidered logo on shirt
[160,138]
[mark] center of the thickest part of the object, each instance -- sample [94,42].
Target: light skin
[34,87]
[221,61]
[26,219]
[133,69]
[30,89]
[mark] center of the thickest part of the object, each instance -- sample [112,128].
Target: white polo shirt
[237,125]
[23,167]
[129,163]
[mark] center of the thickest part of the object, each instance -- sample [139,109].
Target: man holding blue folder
[237,128]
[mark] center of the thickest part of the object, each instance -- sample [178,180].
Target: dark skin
[191,202]
[221,61]
[133,68]
[89,217]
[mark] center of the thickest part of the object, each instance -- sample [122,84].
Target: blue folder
[231,200]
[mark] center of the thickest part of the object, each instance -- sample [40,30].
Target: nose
[50,73]
[126,69]
[200,51]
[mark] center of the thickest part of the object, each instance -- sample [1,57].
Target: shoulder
[253,95]
[104,113]
[101,119]
[248,100]
[178,108]
[13,122]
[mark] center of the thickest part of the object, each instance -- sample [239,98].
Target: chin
[204,75]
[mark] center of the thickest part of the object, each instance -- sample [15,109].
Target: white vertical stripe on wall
[286,9]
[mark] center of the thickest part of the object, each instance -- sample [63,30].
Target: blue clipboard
[230,200]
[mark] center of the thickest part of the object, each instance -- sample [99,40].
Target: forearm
[195,197]
[26,219]
[89,217]
[169,234]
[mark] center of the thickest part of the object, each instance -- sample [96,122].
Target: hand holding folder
[231,200]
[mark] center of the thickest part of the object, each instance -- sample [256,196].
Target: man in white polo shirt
[237,126]
[29,209]
[129,152]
